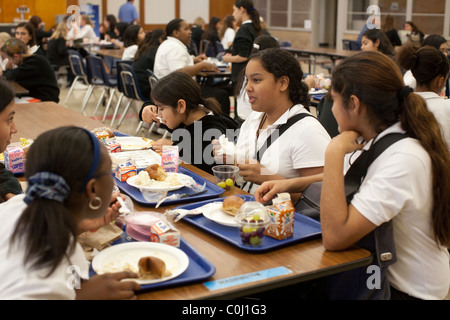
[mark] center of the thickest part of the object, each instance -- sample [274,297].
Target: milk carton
[15,159]
[126,170]
[113,146]
[282,215]
[164,232]
[170,158]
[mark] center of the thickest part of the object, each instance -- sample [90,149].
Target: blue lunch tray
[305,228]
[199,268]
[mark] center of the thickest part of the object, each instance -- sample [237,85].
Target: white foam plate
[215,213]
[160,186]
[126,256]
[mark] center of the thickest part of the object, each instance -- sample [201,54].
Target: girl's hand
[150,114]
[111,215]
[269,190]
[109,287]
[345,143]
[158,145]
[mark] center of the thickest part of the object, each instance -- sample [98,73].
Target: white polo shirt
[398,186]
[19,282]
[172,55]
[302,146]
[440,107]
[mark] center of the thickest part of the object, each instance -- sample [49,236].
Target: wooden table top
[329,52]
[114,53]
[307,260]
[19,91]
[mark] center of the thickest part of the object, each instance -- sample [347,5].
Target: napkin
[95,241]
[225,151]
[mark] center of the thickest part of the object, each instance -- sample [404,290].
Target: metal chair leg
[102,97]
[87,97]
[116,110]
[113,91]
[71,89]
[124,114]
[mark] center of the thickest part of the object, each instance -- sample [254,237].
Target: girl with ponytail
[406,186]
[250,27]
[196,121]
[408,183]
[69,192]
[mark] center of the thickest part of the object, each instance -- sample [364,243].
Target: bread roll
[152,268]
[156,172]
[232,204]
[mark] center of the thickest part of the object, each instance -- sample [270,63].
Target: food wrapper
[282,215]
[93,241]
[165,232]
[170,158]
[126,170]
[103,133]
[15,159]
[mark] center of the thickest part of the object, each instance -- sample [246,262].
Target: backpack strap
[357,172]
[279,132]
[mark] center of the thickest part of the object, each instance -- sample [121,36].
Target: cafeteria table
[303,261]
[19,91]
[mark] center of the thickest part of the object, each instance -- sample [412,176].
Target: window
[285,14]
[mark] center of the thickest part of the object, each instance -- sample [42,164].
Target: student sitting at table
[376,40]
[212,35]
[145,58]
[228,31]
[33,71]
[173,55]
[69,192]
[132,38]
[277,93]
[194,120]
[57,53]
[84,31]
[407,184]
[109,23]
[434,40]
[430,69]
[26,33]
[9,185]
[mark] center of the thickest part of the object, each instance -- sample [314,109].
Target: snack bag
[15,159]
[126,170]
[170,158]
[282,215]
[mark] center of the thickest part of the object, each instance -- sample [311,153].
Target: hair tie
[95,159]
[47,185]
[404,93]
[256,46]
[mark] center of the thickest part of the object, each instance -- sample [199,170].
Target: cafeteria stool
[98,77]
[131,88]
[78,68]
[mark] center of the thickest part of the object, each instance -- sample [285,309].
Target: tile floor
[129,124]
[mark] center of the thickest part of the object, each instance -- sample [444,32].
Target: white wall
[191,9]
[159,11]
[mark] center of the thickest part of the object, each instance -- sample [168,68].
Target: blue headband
[95,160]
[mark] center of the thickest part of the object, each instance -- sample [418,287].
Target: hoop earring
[92,206]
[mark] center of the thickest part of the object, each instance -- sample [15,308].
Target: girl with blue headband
[69,192]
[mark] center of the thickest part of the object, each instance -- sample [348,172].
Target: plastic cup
[252,220]
[225,176]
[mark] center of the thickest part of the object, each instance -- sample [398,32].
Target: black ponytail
[252,12]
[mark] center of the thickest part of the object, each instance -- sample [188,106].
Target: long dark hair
[280,63]
[150,42]
[252,12]
[31,31]
[130,36]
[379,92]
[47,228]
[179,85]
[434,40]
[385,44]
[426,63]
[7,94]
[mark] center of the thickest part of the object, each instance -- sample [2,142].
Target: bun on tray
[232,204]
[152,268]
[156,172]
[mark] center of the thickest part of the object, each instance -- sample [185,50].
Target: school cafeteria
[245,151]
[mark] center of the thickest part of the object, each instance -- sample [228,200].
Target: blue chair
[78,68]
[98,77]
[131,89]
[350,45]
[119,88]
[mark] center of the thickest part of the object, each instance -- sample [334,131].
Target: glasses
[111,172]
